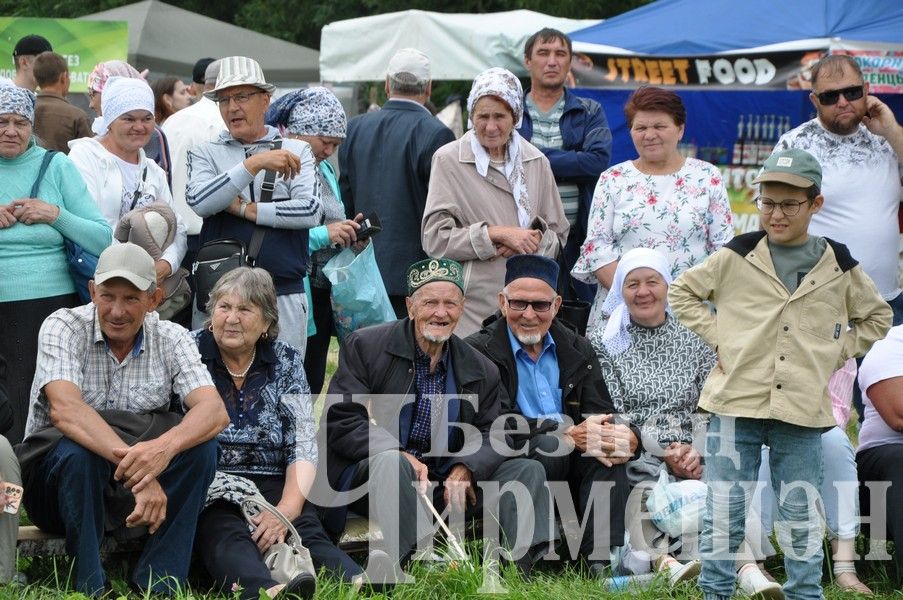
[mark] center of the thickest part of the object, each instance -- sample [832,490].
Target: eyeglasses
[539,306]
[240,99]
[789,209]
[830,97]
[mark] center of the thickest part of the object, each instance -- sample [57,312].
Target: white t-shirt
[130,174]
[862,190]
[884,361]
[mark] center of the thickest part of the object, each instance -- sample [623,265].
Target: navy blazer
[384,168]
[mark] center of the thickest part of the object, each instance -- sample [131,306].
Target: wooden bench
[34,542]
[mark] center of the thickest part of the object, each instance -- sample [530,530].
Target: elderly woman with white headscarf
[120,176]
[492,195]
[314,115]
[34,273]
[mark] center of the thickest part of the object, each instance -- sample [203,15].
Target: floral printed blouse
[686,215]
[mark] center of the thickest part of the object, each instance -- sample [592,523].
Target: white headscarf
[615,338]
[122,95]
[503,84]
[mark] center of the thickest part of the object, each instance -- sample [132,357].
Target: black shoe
[302,586]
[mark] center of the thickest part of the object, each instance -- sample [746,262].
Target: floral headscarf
[310,111]
[502,84]
[17,101]
[111,68]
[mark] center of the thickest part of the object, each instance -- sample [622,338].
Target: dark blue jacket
[586,152]
[384,168]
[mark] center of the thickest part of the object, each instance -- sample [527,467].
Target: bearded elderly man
[103,448]
[433,427]
[226,180]
[554,383]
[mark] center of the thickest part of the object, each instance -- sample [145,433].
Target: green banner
[83,43]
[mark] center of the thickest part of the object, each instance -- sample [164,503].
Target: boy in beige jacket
[790,309]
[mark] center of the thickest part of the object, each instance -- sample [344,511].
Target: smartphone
[13,495]
[369,226]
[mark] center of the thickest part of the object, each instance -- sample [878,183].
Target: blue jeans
[841,505]
[68,497]
[733,454]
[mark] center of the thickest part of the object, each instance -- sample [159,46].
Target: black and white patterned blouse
[657,381]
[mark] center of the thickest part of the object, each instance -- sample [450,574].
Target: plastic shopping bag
[677,507]
[359,298]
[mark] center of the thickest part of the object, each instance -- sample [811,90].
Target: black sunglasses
[539,306]
[832,96]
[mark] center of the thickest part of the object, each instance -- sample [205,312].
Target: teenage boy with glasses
[791,308]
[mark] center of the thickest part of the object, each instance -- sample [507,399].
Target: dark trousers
[68,496]
[230,556]
[20,323]
[883,463]
[318,344]
[398,521]
[581,472]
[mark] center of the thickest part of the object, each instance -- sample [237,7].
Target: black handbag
[217,257]
[573,311]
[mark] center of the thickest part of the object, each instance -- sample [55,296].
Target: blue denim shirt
[538,391]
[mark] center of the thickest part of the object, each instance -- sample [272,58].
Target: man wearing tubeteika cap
[103,450]
[411,403]
[554,383]
[24,53]
[385,166]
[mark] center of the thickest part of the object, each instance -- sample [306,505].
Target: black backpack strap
[45,162]
[266,195]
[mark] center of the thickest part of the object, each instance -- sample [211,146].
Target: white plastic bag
[677,507]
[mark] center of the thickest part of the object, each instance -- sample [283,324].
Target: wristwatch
[243,207]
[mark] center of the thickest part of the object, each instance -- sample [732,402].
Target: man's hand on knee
[150,507]
[142,463]
[421,471]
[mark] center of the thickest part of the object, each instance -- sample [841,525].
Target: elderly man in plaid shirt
[103,448]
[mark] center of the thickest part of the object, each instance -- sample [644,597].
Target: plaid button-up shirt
[163,363]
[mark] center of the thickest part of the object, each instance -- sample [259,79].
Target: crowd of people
[160,407]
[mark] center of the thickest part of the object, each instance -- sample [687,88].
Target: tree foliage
[301,22]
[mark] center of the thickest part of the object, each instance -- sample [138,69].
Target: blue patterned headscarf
[17,101]
[310,111]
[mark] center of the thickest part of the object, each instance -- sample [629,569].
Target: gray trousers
[389,475]
[9,524]
[292,320]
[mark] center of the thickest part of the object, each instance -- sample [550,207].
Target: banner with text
[772,70]
[82,43]
[881,69]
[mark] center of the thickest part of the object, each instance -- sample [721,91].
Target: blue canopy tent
[733,58]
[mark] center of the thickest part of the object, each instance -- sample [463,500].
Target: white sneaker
[753,583]
[678,572]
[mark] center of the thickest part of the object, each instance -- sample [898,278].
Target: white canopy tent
[168,40]
[460,46]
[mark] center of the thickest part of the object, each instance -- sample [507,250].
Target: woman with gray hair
[314,115]
[492,195]
[43,203]
[269,446]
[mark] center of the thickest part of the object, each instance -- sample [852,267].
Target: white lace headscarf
[615,337]
[502,84]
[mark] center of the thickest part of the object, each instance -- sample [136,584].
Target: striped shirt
[163,363]
[547,134]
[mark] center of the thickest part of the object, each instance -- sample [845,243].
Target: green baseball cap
[435,269]
[792,166]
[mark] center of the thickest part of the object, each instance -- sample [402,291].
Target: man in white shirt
[201,122]
[859,145]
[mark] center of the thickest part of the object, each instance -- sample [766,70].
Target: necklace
[248,368]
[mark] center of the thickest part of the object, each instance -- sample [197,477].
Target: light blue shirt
[538,392]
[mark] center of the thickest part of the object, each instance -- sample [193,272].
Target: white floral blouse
[686,215]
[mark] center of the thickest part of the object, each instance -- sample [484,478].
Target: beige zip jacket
[777,350]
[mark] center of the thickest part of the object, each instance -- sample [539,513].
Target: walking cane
[452,540]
